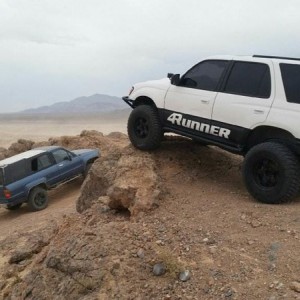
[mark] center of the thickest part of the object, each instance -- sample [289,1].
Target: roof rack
[276,57]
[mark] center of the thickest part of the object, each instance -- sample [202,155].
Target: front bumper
[128,101]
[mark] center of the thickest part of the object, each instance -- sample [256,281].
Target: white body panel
[243,111]
[190,101]
[155,90]
[283,114]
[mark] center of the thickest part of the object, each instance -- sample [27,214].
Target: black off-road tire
[38,199]
[13,207]
[144,128]
[271,173]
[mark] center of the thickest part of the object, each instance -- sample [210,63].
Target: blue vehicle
[27,176]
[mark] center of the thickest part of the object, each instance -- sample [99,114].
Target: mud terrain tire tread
[288,171]
[147,118]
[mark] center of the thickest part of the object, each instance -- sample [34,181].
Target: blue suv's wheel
[38,199]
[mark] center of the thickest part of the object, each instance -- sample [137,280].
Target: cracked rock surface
[183,206]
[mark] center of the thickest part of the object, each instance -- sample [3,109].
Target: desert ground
[182,209]
[39,128]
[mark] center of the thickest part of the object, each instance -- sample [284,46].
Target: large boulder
[127,177]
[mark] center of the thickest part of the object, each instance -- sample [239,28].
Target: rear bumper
[4,201]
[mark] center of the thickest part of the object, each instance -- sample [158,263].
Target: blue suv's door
[69,165]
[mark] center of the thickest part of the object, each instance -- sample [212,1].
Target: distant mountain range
[97,103]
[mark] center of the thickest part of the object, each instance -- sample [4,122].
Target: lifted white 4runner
[249,105]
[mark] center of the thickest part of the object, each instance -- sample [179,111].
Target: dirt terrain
[61,202]
[144,219]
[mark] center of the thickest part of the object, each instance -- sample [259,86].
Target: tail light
[7,193]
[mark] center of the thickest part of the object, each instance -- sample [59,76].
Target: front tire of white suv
[144,128]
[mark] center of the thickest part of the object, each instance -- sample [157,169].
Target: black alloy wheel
[144,128]
[266,172]
[271,173]
[38,199]
[141,128]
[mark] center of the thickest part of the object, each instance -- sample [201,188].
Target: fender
[155,90]
[33,184]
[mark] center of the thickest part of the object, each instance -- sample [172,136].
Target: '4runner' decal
[177,119]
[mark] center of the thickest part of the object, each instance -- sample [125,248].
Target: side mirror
[175,79]
[170,75]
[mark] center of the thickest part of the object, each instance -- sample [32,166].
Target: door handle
[259,111]
[61,165]
[205,101]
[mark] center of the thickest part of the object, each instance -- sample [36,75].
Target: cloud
[55,50]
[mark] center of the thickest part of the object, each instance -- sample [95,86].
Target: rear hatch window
[15,172]
[1,182]
[1,177]
[291,81]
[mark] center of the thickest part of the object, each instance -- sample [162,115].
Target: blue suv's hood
[86,152]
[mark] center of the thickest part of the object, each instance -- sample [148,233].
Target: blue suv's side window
[41,162]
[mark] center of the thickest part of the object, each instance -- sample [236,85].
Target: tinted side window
[60,155]
[15,171]
[40,163]
[249,79]
[1,177]
[205,76]
[291,82]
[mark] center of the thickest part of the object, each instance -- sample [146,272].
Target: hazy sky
[57,50]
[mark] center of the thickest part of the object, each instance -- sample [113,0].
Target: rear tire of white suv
[271,173]
[144,128]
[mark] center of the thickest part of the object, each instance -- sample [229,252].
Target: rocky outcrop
[21,145]
[86,139]
[129,179]
[200,244]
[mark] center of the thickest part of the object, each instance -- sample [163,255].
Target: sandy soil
[12,129]
[61,202]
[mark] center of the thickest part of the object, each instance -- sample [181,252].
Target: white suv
[249,105]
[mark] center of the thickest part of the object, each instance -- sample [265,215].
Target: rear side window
[15,171]
[291,81]
[1,177]
[249,79]
[204,76]
[40,163]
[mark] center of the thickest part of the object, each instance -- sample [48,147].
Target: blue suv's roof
[21,156]
[27,154]
[47,148]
